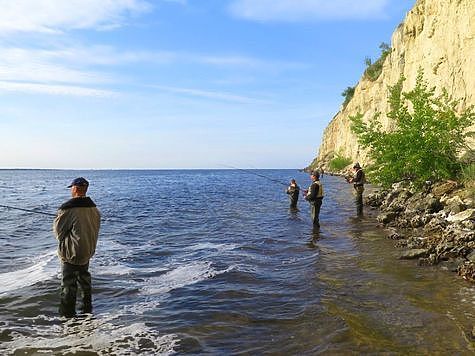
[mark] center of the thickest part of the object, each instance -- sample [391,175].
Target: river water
[213,262]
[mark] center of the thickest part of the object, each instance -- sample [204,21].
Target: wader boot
[73,274]
[315,212]
[359,199]
[84,279]
[67,306]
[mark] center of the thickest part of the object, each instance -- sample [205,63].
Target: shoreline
[435,226]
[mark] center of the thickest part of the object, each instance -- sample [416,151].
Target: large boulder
[467,271]
[414,253]
[468,214]
[454,205]
[441,189]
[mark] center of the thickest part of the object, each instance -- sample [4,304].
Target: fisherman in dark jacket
[314,195]
[293,191]
[76,228]
[358,181]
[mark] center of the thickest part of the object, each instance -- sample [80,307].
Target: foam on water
[116,269]
[104,334]
[181,276]
[211,246]
[42,270]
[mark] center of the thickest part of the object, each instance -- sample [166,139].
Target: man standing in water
[76,227]
[293,191]
[358,183]
[314,195]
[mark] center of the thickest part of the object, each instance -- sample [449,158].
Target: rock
[454,205]
[386,217]
[469,202]
[469,224]
[467,271]
[376,199]
[432,205]
[428,261]
[416,221]
[453,264]
[441,189]
[401,244]
[415,204]
[414,253]
[395,236]
[471,256]
[468,214]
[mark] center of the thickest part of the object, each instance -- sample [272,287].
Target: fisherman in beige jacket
[76,228]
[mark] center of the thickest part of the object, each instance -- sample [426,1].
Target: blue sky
[179,83]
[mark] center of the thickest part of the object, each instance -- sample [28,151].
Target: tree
[348,95]
[426,140]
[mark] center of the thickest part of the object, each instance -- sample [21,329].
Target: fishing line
[27,210]
[256,174]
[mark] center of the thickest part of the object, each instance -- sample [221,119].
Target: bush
[374,70]
[338,163]
[348,95]
[467,176]
[426,141]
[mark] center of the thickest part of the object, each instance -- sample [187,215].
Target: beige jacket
[76,227]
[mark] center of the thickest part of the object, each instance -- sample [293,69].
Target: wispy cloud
[20,64]
[49,16]
[36,88]
[307,10]
[214,95]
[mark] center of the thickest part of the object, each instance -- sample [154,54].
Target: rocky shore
[436,226]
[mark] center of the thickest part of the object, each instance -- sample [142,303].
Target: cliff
[437,36]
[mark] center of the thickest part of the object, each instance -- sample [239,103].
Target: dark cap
[357,165]
[80,182]
[315,174]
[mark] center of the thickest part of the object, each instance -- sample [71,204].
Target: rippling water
[213,262]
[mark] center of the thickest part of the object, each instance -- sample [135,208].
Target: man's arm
[62,224]
[312,194]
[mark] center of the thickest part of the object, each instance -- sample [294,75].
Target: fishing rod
[256,174]
[27,210]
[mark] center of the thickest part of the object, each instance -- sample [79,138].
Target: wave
[181,276]
[211,246]
[38,272]
[102,334]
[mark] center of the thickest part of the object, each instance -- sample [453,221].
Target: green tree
[338,162]
[374,70]
[426,140]
[348,95]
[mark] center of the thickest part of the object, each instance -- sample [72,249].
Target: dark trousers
[359,199]
[315,212]
[72,275]
[293,203]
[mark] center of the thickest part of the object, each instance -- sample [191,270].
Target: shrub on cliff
[374,70]
[338,163]
[425,141]
[348,95]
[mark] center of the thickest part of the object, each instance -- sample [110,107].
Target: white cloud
[209,94]
[307,10]
[61,15]
[35,65]
[49,89]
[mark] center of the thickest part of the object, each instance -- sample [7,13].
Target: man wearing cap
[314,195]
[358,183]
[76,227]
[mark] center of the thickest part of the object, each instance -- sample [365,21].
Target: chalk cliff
[437,36]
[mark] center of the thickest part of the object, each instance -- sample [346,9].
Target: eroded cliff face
[437,36]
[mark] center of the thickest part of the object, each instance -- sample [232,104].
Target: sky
[172,84]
